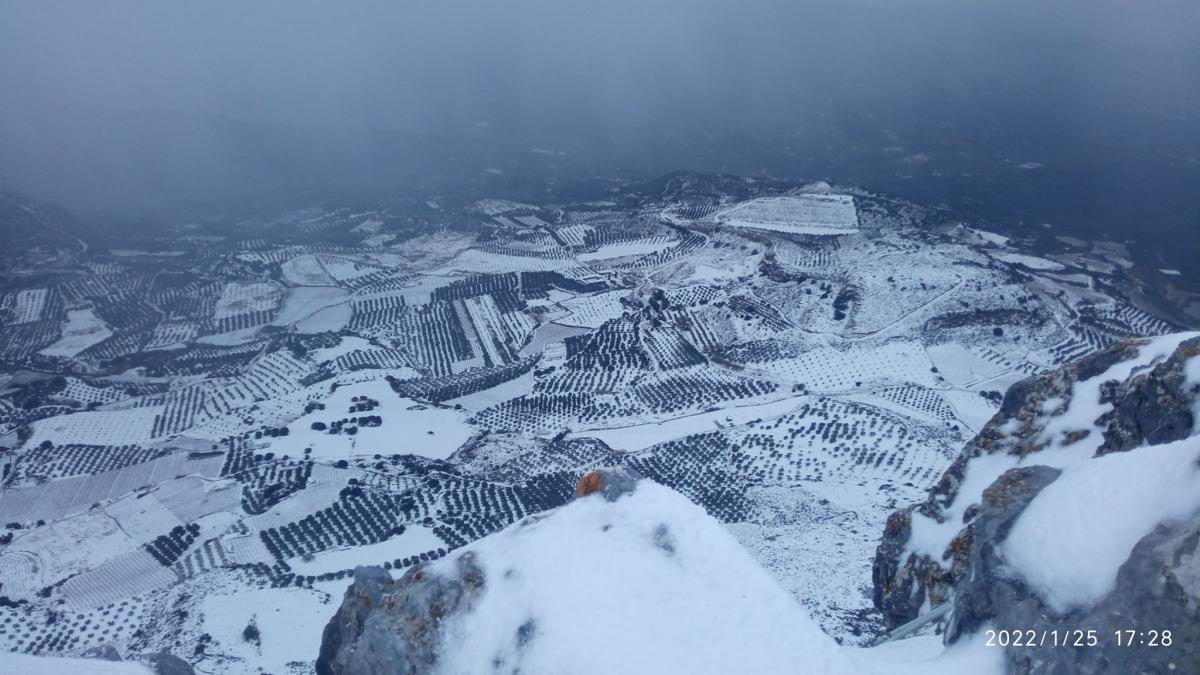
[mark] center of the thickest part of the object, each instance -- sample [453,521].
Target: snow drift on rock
[1072,539]
[648,583]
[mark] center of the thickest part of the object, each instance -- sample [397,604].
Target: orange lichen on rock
[590,484]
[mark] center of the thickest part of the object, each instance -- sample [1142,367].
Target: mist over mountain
[1034,111]
[656,336]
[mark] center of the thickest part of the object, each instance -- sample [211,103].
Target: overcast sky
[96,91]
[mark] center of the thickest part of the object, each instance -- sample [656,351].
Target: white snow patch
[1032,262]
[83,330]
[708,273]
[926,655]
[330,319]
[369,225]
[1070,541]
[628,248]
[642,436]
[984,236]
[669,586]
[305,302]
[16,663]
[129,426]
[242,297]
[408,427]
[415,540]
[801,214]
[289,621]
[651,574]
[305,270]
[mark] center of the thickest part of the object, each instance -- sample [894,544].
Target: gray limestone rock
[102,652]
[395,626]
[389,626]
[1157,590]
[164,663]
[985,593]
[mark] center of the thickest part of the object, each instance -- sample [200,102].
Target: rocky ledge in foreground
[390,626]
[1077,508]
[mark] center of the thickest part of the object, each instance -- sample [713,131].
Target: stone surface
[168,664]
[394,626]
[610,482]
[390,626]
[1152,408]
[985,595]
[1157,589]
[103,652]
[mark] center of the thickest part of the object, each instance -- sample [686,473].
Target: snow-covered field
[1030,261]
[288,620]
[550,333]
[28,304]
[797,214]
[98,427]
[305,270]
[83,329]
[414,540]
[407,427]
[627,248]
[593,310]
[307,302]
[293,397]
[642,436]
[25,664]
[244,298]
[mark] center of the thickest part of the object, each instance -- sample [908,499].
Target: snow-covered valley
[196,445]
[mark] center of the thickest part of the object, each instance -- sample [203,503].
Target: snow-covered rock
[1076,508]
[631,577]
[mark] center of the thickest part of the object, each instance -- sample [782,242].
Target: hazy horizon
[139,107]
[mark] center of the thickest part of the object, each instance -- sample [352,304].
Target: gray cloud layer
[149,104]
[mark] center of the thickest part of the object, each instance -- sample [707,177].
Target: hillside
[208,426]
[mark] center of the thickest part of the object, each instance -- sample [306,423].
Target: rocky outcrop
[1154,408]
[395,626]
[985,594]
[1158,587]
[611,483]
[389,626]
[164,663]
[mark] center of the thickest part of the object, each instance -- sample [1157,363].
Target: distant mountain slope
[27,228]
